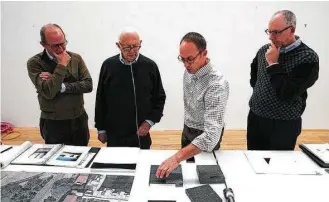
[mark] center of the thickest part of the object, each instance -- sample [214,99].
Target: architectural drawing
[64,187]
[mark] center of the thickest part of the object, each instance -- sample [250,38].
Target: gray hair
[127,30]
[289,16]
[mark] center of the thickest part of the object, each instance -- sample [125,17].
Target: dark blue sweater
[280,91]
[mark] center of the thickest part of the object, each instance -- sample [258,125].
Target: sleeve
[100,105]
[158,98]
[215,103]
[47,88]
[253,72]
[290,85]
[84,84]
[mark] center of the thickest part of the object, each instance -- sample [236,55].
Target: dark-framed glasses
[276,32]
[128,48]
[56,46]
[189,60]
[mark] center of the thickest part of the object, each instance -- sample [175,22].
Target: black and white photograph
[40,153]
[51,187]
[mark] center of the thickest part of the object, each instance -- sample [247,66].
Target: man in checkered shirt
[206,93]
[281,73]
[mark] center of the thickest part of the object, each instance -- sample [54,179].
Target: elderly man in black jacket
[130,97]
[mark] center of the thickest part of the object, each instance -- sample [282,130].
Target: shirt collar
[52,58]
[123,61]
[291,46]
[203,70]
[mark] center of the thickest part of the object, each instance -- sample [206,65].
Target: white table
[246,184]
[249,186]
[143,192]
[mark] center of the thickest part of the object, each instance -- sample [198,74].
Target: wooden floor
[232,140]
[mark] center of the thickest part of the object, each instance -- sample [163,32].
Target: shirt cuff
[150,122]
[272,64]
[63,88]
[101,131]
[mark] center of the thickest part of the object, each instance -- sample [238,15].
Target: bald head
[53,39]
[50,30]
[285,16]
[278,22]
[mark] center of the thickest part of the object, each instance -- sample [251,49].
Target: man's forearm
[187,152]
[50,87]
[84,86]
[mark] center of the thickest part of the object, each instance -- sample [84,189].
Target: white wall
[234,32]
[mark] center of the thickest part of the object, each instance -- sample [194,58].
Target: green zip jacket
[61,96]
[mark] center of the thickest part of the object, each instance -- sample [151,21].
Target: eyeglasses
[189,60]
[128,48]
[276,32]
[56,46]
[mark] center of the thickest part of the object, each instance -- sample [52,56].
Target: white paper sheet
[10,155]
[119,155]
[281,163]
[37,154]
[4,147]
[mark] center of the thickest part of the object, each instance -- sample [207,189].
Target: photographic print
[39,153]
[64,187]
[68,156]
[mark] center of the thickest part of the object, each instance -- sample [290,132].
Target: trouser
[189,134]
[130,141]
[68,132]
[271,134]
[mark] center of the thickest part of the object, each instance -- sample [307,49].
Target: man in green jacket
[60,78]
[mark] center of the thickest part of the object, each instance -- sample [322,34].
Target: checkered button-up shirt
[205,97]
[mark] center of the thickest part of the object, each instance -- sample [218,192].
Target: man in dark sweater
[60,78]
[130,97]
[281,73]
